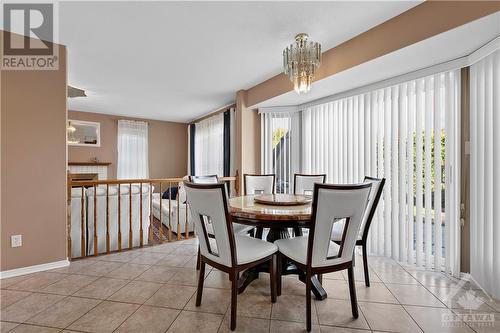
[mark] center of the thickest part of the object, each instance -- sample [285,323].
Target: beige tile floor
[154,289]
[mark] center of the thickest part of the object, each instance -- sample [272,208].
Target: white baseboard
[34,269]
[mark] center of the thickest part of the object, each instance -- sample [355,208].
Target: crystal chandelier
[300,61]
[71,134]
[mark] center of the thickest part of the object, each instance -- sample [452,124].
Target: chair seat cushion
[239,229]
[296,249]
[249,249]
[337,230]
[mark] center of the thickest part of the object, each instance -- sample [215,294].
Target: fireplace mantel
[89,163]
[93,168]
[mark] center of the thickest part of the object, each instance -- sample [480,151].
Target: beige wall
[33,165]
[421,22]
[168,145]
[465,170]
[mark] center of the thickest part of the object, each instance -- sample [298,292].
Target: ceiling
[177,61]
[446,46]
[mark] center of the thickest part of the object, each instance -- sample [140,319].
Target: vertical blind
[133,161]
[406,133]
[484,172]
[279,148]
[209,146]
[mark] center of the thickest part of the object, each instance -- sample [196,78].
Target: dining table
[278,214]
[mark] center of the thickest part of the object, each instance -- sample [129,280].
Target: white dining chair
[303,184]
[258,184]
[226,252]
[238,228]
[208,179]
[371,207]
[316,253]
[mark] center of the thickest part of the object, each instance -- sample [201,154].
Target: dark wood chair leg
[198,259]
[252,233]
[320,278]
[272,275]
[308,302]
[234,299]
[278,274]
[258,232]
[201,279]
[365,266]
[297,231]
[352,292]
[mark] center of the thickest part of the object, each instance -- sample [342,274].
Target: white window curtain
[391,133]
[484,173]
[209,146]
[132,150]
[280,147]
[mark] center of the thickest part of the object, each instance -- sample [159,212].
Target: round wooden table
[278,218]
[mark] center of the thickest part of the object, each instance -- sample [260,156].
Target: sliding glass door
[406,133]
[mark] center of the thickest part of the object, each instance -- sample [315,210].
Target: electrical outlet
[16,240]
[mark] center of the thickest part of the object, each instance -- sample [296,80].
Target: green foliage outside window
[278,134]
[433,154]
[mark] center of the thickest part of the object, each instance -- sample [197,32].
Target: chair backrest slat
[332,203]
[259,184]
[373,200]
[208,204]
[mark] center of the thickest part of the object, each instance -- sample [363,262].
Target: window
[209,146]
[132,150]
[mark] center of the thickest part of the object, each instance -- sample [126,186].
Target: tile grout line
[446,306]
[401,305]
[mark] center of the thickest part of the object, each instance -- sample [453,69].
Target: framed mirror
[84,133]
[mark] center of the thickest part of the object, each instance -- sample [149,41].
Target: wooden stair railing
[151,183]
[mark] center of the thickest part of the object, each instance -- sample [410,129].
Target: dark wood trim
[278,224]
[205,235]
[257,175]
[344,234]
[376,199]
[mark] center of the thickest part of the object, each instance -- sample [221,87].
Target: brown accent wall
[33,164]
[168,145]
[421,22]
[247,138]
